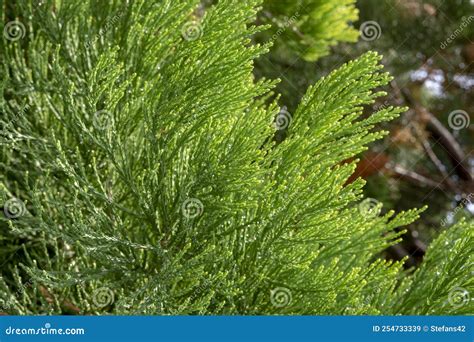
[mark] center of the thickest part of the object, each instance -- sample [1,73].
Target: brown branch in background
[454,150]
[437,162]
[442,135]
[66,306]
[430,126]
[416,178]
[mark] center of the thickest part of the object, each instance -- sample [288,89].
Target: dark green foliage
[406,25]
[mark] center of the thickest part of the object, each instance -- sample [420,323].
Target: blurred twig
[443,136]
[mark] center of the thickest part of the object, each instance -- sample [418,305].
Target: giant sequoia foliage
[138,164]
[308,28]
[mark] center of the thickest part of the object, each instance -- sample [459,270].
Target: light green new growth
[309,27]
[140,143]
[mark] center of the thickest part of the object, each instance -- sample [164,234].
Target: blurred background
[428,47]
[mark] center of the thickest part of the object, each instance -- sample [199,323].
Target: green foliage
[139,143]
[301,32]
[308,28]
[450,264]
